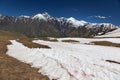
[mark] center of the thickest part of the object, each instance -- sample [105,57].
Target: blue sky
[96,11]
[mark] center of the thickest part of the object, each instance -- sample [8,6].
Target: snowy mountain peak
[72,19]
[76,23]
[106,24]
[62,18]
[0,14]
[46,14]
[24,16]
[39,16]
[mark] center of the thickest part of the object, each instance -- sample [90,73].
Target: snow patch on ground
[66,61]
[88,40]
[115,33]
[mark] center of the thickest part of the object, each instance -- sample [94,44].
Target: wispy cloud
[99,17]
[75,9]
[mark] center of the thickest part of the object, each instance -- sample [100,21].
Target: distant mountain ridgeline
[44,25]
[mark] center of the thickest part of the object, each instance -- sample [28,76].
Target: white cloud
[99,17]
[75,9]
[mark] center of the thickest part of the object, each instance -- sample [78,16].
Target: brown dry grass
[111,61]
[12,69]
[48,39]
[106,37]
[105,43]
[28,42]
[70,41]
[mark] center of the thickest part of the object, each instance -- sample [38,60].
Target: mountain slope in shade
[44,25]
[115,33]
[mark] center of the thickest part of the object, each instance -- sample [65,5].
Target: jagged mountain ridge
[44,25]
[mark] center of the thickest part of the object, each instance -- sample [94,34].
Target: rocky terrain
[44,25]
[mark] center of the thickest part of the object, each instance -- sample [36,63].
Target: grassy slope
[70,41]
[106,43]
[12,69]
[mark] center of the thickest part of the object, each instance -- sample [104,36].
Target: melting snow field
[88,40]
[70,61]
[115,33]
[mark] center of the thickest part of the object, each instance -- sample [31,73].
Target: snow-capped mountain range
[75,22]
[45,25]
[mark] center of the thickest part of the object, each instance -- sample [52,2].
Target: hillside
[12,69]
[72,58]
[115,34]
[58,58]
[44,25]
